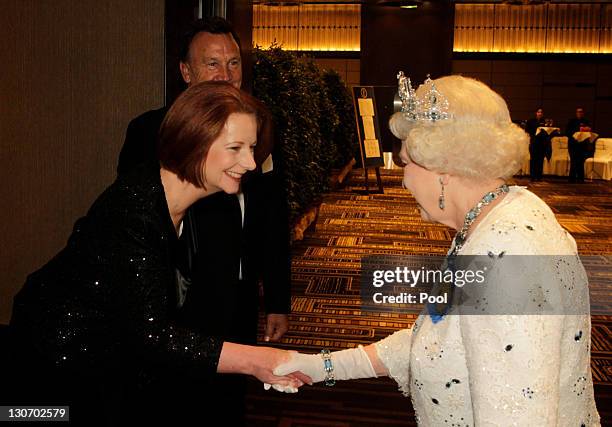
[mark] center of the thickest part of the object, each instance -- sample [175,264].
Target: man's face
[539,114]
[579,113]
[212,57]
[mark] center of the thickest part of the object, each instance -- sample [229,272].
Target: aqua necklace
[437,313]
[473,213]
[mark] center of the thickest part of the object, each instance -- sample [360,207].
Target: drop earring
[441,197]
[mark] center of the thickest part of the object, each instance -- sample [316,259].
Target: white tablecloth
[583,136]
[548,129]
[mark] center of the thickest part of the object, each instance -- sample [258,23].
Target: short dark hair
[195,120]
[212,25]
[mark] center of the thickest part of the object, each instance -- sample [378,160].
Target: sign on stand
[368,129]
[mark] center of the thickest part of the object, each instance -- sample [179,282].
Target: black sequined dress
[95,326]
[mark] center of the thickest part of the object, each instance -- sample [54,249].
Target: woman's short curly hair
[479,140]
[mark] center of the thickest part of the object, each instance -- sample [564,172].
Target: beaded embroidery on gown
[504,370]
[100,313]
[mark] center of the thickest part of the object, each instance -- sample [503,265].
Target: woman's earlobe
[444,179]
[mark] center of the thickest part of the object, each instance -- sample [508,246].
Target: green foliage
[345,136]
[312,126]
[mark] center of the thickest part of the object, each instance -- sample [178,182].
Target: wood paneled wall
[556,83]
[347,68]
[74,72]
[417,41]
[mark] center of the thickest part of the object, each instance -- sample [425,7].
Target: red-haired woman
[94,327]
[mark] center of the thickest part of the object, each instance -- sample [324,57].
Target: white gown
[504,370]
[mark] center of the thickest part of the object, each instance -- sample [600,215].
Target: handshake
[296,369]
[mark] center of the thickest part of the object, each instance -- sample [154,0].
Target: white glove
[347,364]
[281,388]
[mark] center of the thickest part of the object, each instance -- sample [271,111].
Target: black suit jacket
[216,299]
[141,140]
[532,125]
[540,146]
[573,126]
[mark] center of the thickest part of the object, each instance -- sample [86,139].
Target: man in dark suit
[236,241]
[576,149]
[538,144]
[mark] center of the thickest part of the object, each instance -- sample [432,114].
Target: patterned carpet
[326,307]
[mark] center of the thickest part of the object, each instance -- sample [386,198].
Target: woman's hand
[267,360]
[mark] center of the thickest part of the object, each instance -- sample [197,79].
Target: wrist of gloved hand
[346,364]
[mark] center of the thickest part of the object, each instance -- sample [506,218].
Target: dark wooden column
[178,15]
[240,14]
[418,41]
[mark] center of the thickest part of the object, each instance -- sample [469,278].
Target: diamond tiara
[430,107]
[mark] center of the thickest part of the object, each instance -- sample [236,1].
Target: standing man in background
[233,241]
[576,149]
[537,145]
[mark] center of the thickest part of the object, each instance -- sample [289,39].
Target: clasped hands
[297,368]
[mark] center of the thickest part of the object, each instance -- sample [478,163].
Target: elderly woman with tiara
[525,359]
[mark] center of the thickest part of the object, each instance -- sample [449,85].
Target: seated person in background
[525,368]
[96,327]
[537,144]
[576,149]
